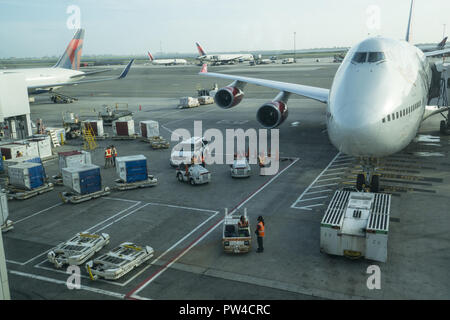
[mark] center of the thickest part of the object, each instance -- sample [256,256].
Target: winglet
[408,30]
[125,71]
[204,68]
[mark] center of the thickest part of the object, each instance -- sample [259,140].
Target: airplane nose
[355,130]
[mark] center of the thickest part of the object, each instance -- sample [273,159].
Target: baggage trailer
[133,173]
[356,224]
[236,239]
[150,182]
[78,249]
[77,198]
[22,194]
[119,261]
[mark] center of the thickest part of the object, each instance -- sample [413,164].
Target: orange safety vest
[108,153]
[261,229]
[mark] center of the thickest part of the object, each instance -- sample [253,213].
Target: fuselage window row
[402,113]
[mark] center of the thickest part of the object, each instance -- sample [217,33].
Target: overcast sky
[35,28]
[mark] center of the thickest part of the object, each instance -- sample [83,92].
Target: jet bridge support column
[4,286]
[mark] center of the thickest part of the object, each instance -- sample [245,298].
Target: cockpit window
[359,57]
[376,56]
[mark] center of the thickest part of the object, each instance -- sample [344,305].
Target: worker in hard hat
[108,157]
[114,155]
[260,233]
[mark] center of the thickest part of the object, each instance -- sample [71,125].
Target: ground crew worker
[108,156]
[203,161]
[18,154]
[243,223]
[114,155]
[260,233]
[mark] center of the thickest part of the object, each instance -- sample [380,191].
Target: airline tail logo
[71,58]
[204,68]
[441,44]
[150,56]
[201,52]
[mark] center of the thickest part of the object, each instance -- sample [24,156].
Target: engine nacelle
[228,97]
[272,114]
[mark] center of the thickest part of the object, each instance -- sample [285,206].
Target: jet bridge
[14,106]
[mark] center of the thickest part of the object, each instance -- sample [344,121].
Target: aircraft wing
[70,83]
[436,52]
[315,93]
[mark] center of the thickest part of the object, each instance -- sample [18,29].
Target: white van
[187,149]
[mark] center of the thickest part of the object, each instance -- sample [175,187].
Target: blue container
[132,168]
[82,179]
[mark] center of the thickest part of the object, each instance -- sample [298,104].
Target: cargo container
[123,128]
[11,162]
[43,144]
[149,128]
[82,179]
[26,175]
[132,168]
[96,125]
[9,151]
[73,159]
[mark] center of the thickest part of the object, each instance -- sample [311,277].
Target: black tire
[443,127]
[192,182]
[360,181]
[180,177]
[375,184]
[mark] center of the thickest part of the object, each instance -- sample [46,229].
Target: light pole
[295,60]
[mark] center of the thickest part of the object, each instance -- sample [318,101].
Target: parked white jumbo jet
[65,72]
[222,58]
[377,101]
[166,62]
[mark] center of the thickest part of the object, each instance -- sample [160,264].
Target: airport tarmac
[184,224]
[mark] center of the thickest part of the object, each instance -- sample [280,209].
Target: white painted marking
[141,287]
[325,185]
[303,200]
[321,180]
[55,281]
[39,212]
[112,217]
[320,191]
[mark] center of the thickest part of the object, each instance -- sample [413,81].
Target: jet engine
[273,113]
[228,97]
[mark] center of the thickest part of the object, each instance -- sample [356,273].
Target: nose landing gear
[369,181]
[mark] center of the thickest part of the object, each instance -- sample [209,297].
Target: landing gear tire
[443,127]
[360,179]
[375,184]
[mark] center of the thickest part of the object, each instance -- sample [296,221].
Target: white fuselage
[375,108]
[45,76]
[169,61]
[226,57]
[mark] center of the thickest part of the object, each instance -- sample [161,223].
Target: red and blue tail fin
[201,52]
[150,56]
[72,56]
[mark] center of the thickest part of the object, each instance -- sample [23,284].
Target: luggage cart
[157,142]
[8,225]
[21,194]
[77,250]
[131,137]
[236,239]
[150,182]
[77,198]
[118,261]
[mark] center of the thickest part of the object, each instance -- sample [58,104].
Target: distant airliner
[65,72]
[377,101]
[222,58]
[166,62]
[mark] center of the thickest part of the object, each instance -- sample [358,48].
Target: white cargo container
[9,151]
[74,159]
[44,146]
[189,102]
[123,127]
[149,128]
[96,125]
[356,224]
[26,175]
